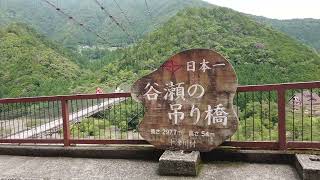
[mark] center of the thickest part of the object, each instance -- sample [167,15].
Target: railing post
[65,118]
[282,118]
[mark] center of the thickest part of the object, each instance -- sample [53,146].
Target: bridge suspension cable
[71,18]
[114,20]
[148,9]
[123,13]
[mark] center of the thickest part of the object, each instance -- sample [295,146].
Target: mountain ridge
[306,30]
[249,45]
[32,66]
[49,22]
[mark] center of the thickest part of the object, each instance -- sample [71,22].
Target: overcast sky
[279,9]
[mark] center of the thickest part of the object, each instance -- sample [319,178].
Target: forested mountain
[259,54]
[132,14]
[32,66]
[49,22]
[305,30]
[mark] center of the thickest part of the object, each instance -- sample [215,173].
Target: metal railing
[276,116]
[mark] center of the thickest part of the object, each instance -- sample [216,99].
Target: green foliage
[125,115]
[112,122]
[48,21]
[258,121]
[263,110]
[33,66]
[30,65]
[302,127]
[255,129]
[304,30]
[259,54]
[88,127]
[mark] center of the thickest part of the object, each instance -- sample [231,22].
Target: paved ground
[20,167]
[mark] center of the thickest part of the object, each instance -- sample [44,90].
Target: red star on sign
[172,66]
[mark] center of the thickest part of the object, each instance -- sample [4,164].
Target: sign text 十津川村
[188,101]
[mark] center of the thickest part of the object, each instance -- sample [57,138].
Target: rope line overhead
[123,13]
[148,8]
[127,18]
[114,20]
[71,18]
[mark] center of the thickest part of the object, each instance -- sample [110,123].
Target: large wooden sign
[188,101]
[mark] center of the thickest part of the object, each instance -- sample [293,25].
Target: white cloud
[279,9]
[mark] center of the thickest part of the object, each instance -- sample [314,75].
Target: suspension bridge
[57,124]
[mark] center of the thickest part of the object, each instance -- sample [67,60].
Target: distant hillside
[32,66]
[305,30]
[260,54]
[49,22]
